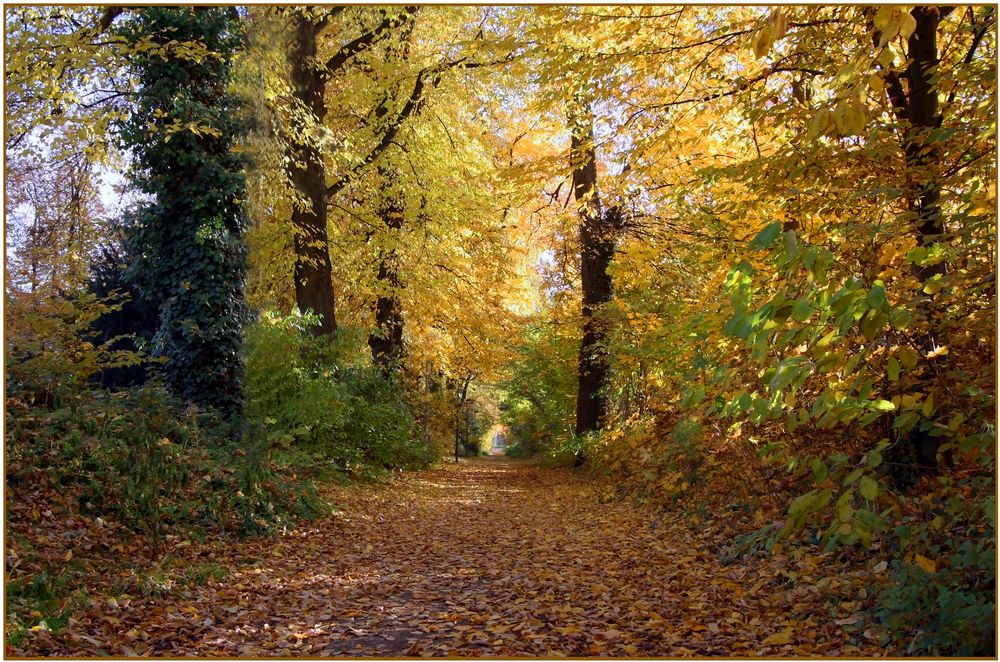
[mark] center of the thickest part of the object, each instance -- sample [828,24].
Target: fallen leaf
[928,565]
[779,638]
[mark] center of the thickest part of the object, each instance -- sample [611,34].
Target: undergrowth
[930,549]
[131,474]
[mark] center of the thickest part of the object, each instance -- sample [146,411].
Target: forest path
[493,557]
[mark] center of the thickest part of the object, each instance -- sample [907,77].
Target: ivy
[190,234]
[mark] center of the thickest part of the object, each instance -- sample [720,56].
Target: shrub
[940,598]
[148,461]
[518,450]
[133,325]
[381,421]
[302,395]
[51,345]
[566,451]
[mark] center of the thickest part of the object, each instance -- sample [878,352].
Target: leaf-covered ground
[490,557]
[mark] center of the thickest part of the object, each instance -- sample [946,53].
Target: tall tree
[306,167]
[386,340]
[307,172]
[597,248]
[192,257]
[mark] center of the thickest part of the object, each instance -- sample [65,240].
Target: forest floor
[489,557]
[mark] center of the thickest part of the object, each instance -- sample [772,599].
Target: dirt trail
[489,557]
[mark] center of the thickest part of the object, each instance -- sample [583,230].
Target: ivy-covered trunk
[192,258]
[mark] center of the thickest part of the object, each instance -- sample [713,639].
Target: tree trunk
[461,397]
[917,109]
[922,155]
[386,341]
[313,272]
[597,248]
[425,413]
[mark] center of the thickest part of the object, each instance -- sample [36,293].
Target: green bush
[381,423]
[565,452]
[940,599]
[689,447]
[303,396]
[517,450]
[938,616]
[152,463]
[539,398]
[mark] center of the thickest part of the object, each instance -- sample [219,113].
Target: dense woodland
[723,277]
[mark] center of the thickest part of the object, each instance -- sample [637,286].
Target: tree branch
[740,86]
[354,47]
[109,15]
[411,107]
[897,96]
[977,37]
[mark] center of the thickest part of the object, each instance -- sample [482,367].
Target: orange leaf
[929,565]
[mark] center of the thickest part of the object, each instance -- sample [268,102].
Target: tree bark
[313,271]
[425,409]
[917,109]
[461,397]
[597,247]
[922,155]
[386,342]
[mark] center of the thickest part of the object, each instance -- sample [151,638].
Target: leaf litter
[489,557]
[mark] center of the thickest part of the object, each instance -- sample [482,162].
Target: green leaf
[802,503]
[876,299]
[784,376]
[820,472]
[905,421]
[868,488]
[869,418]
[908,357]
[766,236]
[900,318]
[850,478]
[917,255]
[893,369]
[802,310]
[845,511]
[872,324]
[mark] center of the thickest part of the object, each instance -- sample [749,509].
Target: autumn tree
[54,215]
[386,340]
[65,87]
[321,44]
[598,227]
[306,170]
